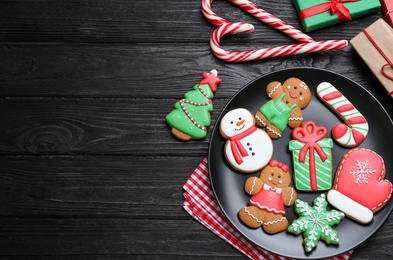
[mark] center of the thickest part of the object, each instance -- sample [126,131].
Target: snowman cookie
[285,107]
[248,148]
[360,188]
[270,193]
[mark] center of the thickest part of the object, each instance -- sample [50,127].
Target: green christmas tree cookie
[191,115]
[316,223]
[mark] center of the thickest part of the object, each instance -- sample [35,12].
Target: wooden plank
[94,186]
[140,22]
[120,238]
[82,70]
[93,126]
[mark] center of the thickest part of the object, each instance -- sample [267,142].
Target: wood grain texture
[88,167]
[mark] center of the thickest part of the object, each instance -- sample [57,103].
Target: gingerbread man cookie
[270,193]
[285,107]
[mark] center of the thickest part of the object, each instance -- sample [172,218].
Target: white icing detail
[304,85]
[253,217]
[295,119]
[361,172]
[274,89]
[214,72]
[290,200]
[350,207]
[280,181]
[253,185]
[274,222]
[269,179]
[273,131]
[301,98]
[260,120]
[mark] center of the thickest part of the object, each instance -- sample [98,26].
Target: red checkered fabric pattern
[201,204]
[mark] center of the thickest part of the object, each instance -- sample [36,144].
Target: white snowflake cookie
[316,223]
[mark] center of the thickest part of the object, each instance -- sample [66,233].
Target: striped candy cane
[307,44]
[258,13]
[355,129]
[259,54]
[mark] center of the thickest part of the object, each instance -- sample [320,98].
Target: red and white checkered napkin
[202,205]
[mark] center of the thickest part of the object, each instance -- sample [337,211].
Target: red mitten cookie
[360,189]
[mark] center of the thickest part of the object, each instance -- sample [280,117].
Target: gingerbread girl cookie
[285,107]
[270,193]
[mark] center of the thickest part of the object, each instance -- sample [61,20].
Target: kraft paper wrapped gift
[316,14]
[387,10]
[375,47]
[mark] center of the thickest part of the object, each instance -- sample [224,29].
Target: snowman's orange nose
[240,122]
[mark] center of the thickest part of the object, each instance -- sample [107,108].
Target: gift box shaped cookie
[316,14]
[312,157]
[375,46]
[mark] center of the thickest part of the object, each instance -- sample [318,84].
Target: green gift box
[316,14]
[323,168]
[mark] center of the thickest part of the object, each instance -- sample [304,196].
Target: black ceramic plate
[228,183]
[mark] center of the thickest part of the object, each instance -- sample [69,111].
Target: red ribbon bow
[309,133]
[384,55]
[335,6]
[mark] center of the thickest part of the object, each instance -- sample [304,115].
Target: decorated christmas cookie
[270,193]
[248,148]
[316,223]
[285,107]
[360,189]
[191,115]
[312,157]
[355,129]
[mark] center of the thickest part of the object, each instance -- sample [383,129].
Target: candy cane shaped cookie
[355,129]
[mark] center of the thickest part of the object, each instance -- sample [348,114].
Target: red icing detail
[357,120]
[293,95]
[357,136]
[333,95]
[269,199]
[211,79]
[237,148]
[274,163]
[339,130]
[345,108]
[309,133]
[370,191]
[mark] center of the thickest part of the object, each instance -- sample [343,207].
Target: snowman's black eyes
[231,122]
[240,118]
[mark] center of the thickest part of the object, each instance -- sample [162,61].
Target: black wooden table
[88,166]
